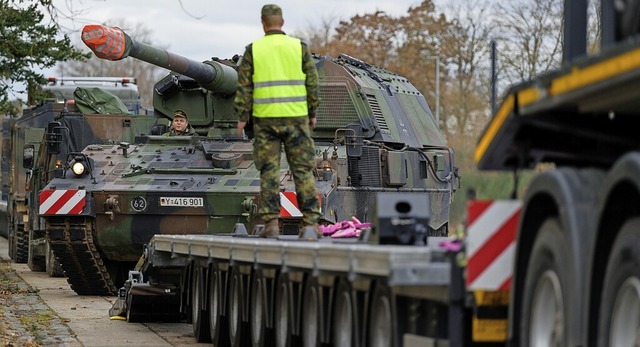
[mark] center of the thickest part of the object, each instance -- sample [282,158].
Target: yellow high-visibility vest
[278,79]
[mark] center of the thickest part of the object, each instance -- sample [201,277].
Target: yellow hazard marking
[580,77]
[528,96]
[491,298]
[577,78]
[118,318]
[489,330]
[504,110]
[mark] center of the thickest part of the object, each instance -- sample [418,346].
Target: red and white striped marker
[289,204]
[61,201]
[491,243]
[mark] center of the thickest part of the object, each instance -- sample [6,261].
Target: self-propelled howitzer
[375,133]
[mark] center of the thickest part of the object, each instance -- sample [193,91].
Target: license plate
[182,202]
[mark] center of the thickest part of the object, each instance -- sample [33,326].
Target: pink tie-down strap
[345,229]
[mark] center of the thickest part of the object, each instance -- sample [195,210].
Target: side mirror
[28,153]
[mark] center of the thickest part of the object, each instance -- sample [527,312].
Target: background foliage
[453,38]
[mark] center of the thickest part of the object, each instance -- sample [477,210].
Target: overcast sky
[200,29]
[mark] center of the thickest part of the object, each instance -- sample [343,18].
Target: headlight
[78,168]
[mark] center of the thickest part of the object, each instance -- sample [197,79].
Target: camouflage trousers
[270,135]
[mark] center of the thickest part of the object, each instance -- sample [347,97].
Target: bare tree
[425,35]
[467,95]
[370,37]
[318,37]
[145,74]
[530,38]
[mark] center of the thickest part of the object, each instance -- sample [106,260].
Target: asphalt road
[76,320]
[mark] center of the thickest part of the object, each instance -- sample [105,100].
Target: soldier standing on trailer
[278,86]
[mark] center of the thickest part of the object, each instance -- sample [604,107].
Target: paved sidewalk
[25,319]
[74,320]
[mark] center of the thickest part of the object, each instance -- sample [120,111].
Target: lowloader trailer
[241,290]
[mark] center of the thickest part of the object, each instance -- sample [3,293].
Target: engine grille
[336,106]
[365,170]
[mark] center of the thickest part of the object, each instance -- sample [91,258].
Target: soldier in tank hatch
[180,125]
[278,86]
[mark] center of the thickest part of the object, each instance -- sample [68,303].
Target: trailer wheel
[284,312]
[237,305]
[544,307]
[199,314]
[344,328]
[217,320]
[311,313]
[381,324]
[619,316]
[261,311]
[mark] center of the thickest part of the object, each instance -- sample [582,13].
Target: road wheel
[344,328]
[311,314]
[237,304]
[544,308]
[619,316]
[381,324]
[217,320]
[199,313]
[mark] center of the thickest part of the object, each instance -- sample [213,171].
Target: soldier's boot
[272,229]
[310,232]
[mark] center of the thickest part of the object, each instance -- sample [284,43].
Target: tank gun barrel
[113,43]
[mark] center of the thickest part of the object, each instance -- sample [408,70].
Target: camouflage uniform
[188,132]
[272,133]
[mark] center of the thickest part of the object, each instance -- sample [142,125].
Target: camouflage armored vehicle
[375,133]
[29,168]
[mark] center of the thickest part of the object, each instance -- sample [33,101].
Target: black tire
[261,313]
[283,311]
[237,305]
[186,304]
[545,306]
[218,324]
[344,328]
[381,327]
[199,309]
[311,313]
[620,300]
